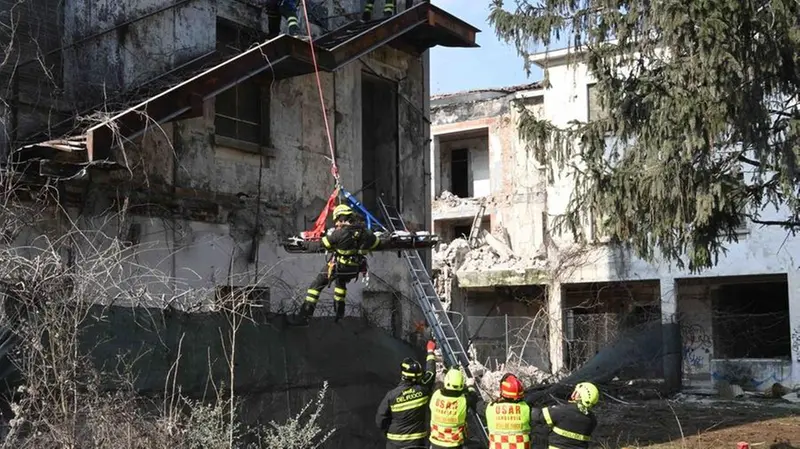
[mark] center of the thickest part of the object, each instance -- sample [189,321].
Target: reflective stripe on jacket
[448,419]
[509,425]
[569,427]
[402,412]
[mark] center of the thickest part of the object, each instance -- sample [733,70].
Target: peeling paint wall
[30,69]
[208,215]
[516,180]
[292,184]
[135,49]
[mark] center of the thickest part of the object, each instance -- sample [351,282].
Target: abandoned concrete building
[213,142]
[526,289]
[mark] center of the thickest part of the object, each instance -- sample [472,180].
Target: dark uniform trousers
[349,245]
[402,412]
[277,8]
[569,427]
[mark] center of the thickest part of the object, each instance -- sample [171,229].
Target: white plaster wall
[762,250]
[479,163]
[695,318]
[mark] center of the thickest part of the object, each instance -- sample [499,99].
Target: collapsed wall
[485,252]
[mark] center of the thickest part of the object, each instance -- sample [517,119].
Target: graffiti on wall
[697,345]
[757,376]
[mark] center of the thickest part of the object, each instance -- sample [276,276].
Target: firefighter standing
[401,413]
[571,425]
[277,8]
[350,242]
[509,418]
[449,407]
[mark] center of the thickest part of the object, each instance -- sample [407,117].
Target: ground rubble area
[631,413]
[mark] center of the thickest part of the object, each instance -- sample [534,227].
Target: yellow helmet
[585,394]
[342,209]
[454,380]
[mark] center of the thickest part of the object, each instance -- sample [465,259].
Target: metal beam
[424,25]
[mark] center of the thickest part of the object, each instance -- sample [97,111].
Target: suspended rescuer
[349,242]
[388,8]
[402,412]
[509,418]
[571,425]
[449,407]
[281,8]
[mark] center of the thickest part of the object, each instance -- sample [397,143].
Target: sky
[494,64]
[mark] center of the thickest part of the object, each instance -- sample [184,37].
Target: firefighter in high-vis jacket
[571,425]
[449,407]
[349,241]
[509,418]
[402,412]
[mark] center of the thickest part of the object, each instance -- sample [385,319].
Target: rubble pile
[448,200]
[491,255]
[488,380]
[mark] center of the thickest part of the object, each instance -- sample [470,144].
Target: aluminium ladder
[446,338]
[475,230]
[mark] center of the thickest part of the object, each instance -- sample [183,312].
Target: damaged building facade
[182,130]
[526,289]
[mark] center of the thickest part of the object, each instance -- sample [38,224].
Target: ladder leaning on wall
[435,315]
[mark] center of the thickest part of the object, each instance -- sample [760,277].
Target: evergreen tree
[701,123]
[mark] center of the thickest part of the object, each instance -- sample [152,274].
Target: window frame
[263,143]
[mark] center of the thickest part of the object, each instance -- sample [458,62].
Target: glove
[431,346]
[339,311]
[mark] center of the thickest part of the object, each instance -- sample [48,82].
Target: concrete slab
[508,277]
[462,211]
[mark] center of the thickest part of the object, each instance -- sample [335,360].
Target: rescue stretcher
[392,240]
[395,241]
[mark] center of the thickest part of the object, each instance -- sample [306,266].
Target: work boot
[292,27]
[339,311]
[303,316]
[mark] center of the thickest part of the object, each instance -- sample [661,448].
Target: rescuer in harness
[277,8]
[350,242]
[402,412]
[449,407]
[509,418]
[571,425]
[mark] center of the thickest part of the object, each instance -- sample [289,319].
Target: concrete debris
[488,381]
[492,255]
[449,200]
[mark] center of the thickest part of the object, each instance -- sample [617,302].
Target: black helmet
[410,369]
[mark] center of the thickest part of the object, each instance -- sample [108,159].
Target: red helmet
[511,387]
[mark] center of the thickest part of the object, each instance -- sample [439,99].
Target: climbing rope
[334,168]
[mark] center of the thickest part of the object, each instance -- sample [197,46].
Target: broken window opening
[380,146]
[241,113]
[597,315]
[751,320]
[594,110]
[462,231]
[459,172]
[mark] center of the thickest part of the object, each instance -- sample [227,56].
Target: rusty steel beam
[284,56]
